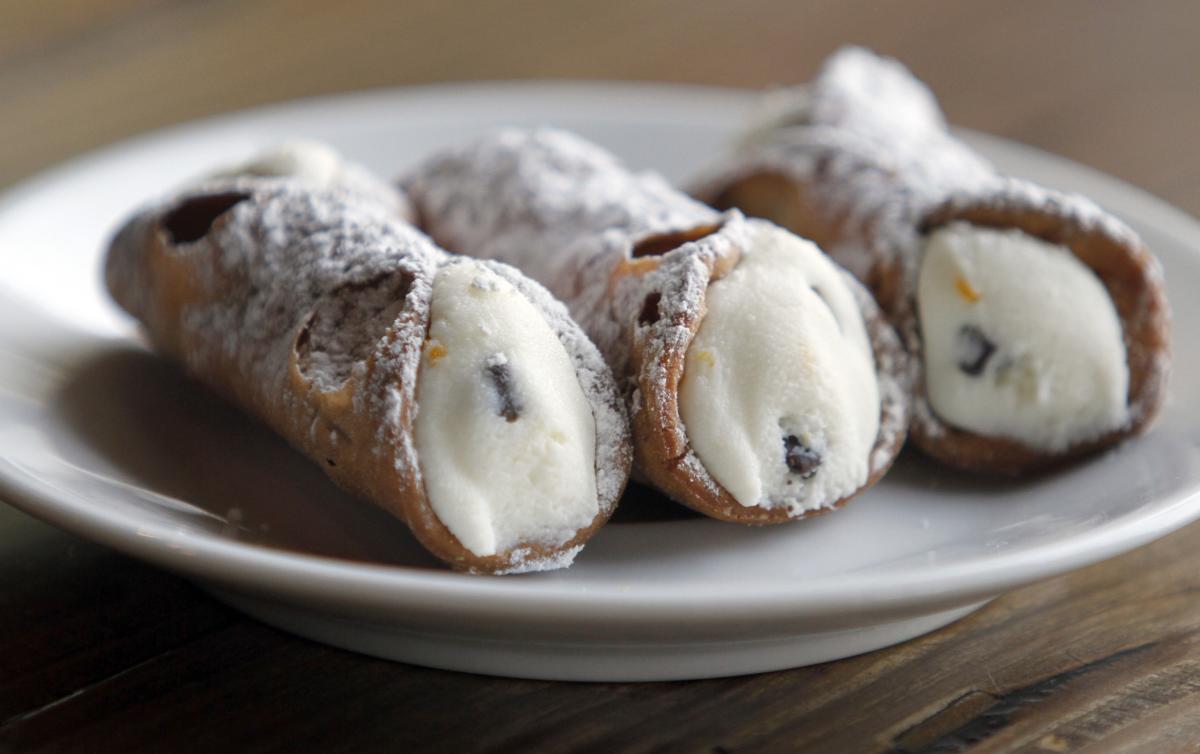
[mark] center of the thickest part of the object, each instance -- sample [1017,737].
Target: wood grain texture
[98,652]
[1105,659]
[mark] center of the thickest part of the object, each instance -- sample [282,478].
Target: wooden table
[99,652]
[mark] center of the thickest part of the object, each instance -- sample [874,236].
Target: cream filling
[311,162]
[505,437]
[779,395]
[1021,339]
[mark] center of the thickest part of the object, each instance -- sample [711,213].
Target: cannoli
[1038,322]
[456,394]
[763,384]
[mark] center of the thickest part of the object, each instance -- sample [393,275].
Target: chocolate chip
[502,379]
[192,220]
[974,349]
[650,313]
[800,458]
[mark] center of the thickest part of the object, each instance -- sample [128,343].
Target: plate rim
[298,575]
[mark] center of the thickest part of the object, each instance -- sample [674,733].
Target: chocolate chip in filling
[974,350]
[800,458]
[499,371]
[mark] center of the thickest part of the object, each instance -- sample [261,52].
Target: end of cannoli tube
[139,268]
[193,217]
[662,243]
[1026,337]
[506,436]
[779,396]
[125,268]
[1107,316]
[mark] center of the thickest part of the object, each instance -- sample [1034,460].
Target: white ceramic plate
[102,439]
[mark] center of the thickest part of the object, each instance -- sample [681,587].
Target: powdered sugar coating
[279,256]
[283,256]
[289,249]
[871,139]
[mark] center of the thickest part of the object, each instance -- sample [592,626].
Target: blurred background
[1112,84]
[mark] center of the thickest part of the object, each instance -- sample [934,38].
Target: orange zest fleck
[966,290]
[706,358]
[436,351]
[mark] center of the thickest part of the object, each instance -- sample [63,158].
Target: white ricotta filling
[311,162]
[781,368]
[1021,339]
[505,437]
